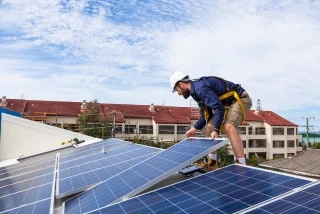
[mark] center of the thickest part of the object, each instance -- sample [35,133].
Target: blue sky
[124,51]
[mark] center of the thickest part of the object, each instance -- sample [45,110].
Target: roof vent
[83,106]
[4,101]
[258,108]
[151,108]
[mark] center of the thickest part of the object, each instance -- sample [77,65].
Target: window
[290,143]
[260,131]
[242,130]
[261,143]
[290,131]
[143,129]
[166,129]
[278,156]
[129,129]
[244,142]
[291,154]
[278,144]
[182,129]
[250,130]
[278,131]
[259,154]
[118,129]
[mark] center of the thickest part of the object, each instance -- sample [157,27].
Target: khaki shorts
[234,115]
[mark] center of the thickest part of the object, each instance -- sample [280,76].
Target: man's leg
[212,158]
[236,142]
[232,121]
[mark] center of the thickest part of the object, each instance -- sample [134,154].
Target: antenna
[258,108]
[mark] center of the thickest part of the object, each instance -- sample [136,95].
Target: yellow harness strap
[235,94]
[222,97]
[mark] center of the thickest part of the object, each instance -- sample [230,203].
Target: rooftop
[159,113]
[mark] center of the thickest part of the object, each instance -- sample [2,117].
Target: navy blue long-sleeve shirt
[206,91]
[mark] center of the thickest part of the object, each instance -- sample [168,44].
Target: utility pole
[307,129]
[114,124]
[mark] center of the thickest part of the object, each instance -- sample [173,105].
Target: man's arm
[197,126]
[200,123]
[210,98]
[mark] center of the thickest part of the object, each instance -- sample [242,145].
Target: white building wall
[61,120]
[269,137]
[25,137]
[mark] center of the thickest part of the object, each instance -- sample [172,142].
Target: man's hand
[214,134]
[191,132]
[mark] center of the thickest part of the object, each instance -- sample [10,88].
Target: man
[223,104]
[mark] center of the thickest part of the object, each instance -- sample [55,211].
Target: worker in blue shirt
[223,105]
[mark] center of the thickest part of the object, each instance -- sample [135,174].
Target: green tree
[316,145]
[90,122]
[224,156]
[254,160]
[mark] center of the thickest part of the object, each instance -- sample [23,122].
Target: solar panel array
[228,190]
[124,170]
[78,175]
[28,189]
[143,175]
[90,149]
[303,201]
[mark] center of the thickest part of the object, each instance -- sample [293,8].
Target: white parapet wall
[25,137]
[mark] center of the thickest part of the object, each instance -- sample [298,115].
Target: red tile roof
[61,108]
[16,104]
[161,114]
[269,117]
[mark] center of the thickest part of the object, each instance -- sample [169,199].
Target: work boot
[212,164]
[208,164]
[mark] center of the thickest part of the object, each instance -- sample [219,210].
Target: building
[269,136]
[264,133]
[305,163]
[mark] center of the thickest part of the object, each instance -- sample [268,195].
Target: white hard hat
[176,77]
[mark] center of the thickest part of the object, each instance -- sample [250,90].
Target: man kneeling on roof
[223,105]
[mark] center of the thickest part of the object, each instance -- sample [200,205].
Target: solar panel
[306,200]
[12,187]
[143,175]
[23,168]
[92,149]
[79,175]
[26,176]
[16,196]
[227,190]
[35,208]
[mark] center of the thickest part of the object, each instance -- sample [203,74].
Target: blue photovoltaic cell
[41,207]
[26,176]
[91,149]
[25,169]
[25,184]
[227,190]
[27,192]
[101,156]
[143,175]
[100,167]
[23,165]
[304,201]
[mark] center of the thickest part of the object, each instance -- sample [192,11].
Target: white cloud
[125,52]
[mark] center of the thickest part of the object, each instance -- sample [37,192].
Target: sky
[124,51]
